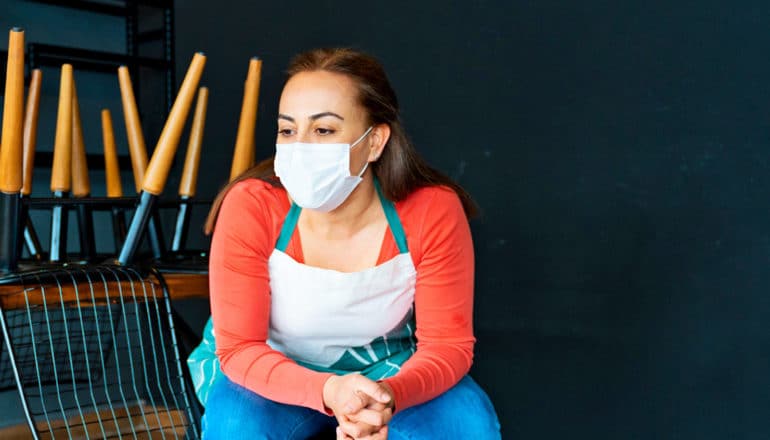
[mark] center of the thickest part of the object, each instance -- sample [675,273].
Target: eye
[324,131]
[286,132]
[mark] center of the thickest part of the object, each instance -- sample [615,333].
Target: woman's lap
[464,411]
[234,412]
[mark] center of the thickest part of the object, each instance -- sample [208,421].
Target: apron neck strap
[393,221]
[290,223]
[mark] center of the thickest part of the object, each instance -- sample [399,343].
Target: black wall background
[619,153]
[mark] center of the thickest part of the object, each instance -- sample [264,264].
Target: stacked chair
[92,343]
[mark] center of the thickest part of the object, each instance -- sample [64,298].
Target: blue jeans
[233,412]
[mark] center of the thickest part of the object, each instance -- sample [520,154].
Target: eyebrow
[312,117]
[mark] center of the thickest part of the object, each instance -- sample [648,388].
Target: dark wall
[619,153]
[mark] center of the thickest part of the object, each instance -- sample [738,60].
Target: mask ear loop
[368,130]
[364,169]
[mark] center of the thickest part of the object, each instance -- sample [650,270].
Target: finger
[371,417]
[340,419]
[357,430]
[377,406]
[373,389]
[355,403]
[382,434]
[361,400]
[342,436]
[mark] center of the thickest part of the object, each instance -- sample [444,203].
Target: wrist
[328,392]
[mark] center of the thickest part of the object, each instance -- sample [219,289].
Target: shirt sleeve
[240,302]
[443,304]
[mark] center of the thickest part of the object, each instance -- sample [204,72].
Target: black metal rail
[115,8]
[85,59]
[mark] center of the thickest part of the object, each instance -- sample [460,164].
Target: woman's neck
[356,212]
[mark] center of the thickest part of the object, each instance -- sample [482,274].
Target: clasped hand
[362,407]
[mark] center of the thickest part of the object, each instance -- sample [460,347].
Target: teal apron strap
[290,222]
[393,221]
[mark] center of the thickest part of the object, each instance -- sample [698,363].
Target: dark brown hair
[399,169]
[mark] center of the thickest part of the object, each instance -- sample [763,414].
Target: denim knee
[464,411]
[230,413]
[234,412]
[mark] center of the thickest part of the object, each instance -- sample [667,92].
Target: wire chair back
[94,354]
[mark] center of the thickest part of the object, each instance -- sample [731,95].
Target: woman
[342,283]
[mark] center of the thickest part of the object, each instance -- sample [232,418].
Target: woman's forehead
[309,93]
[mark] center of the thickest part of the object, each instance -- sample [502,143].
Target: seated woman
[341,276]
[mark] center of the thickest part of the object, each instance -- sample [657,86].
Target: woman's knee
[464,411]
[232,410]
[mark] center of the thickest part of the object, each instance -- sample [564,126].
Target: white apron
[343,322]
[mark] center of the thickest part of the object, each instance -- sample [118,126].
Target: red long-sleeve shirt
[440,245]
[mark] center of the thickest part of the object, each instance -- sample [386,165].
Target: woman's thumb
[376,391]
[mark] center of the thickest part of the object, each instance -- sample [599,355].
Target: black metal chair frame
[81,357]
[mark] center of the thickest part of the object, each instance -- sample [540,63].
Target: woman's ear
[379,137]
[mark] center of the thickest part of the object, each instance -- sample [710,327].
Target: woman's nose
[303,135]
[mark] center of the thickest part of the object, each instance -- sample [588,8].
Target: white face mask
[317,176]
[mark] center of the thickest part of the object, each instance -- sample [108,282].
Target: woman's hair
[399,169]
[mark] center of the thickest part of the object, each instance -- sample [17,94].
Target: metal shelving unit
[48,55]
